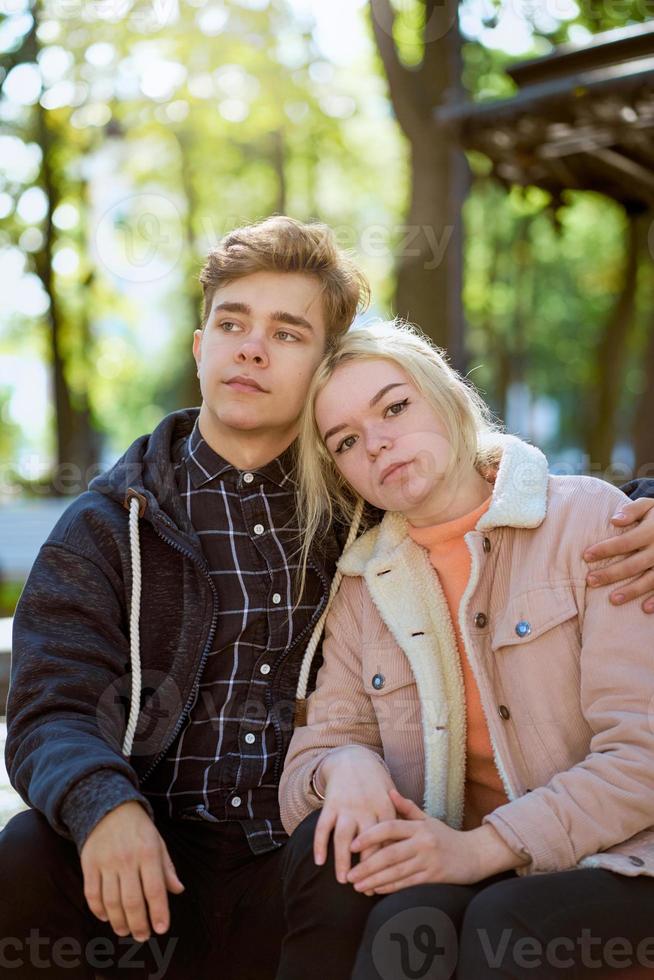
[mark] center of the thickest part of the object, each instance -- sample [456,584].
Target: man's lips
[242,383]
[392,470]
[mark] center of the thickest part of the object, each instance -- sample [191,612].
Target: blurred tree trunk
[76,442]
[611,355]
[187,393]
[644,421]
[429,273]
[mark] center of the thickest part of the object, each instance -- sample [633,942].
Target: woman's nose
[375,442]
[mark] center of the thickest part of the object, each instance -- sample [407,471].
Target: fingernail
[593,580]
[649,606]
[618,598]
[620,516]
[159,927]
[589,555]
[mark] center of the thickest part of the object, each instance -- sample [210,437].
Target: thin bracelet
[314,788]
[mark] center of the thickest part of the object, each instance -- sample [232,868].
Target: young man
[156,654]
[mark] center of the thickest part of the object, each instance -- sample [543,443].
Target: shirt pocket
[390,684]
[536,644]
[530,616]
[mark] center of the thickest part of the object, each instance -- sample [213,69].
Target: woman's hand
[356,785]
[418,850]
[637,547]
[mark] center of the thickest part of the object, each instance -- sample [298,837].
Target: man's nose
[252,351]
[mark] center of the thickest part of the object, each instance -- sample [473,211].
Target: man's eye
[345,444]
[397,407]
[285,335]
[228,326]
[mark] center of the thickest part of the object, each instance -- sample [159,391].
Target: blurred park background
[487,161]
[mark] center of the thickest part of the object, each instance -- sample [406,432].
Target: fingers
[406,808]
[93,893]
[640,588]
[321,834]
[112,902]
[399,884]
[384,858]
[381,833]
[634,564]
[133,904]
[344,834]
[388,876]
[153,880]
[632,510]
[171,880]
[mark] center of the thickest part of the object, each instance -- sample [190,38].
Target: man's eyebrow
[233,308]
[294,321]
[373,401]
[280,316]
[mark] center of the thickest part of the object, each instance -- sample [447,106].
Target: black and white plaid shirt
[221,766]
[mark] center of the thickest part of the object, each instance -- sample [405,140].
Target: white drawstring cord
[307,660]
[134,626]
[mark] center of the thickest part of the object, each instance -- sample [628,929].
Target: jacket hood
[145,468]
[519,474]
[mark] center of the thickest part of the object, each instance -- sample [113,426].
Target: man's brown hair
[282,244]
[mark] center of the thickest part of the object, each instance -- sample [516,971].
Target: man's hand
[418,850]
[637,545]
[127,873]
[355,785]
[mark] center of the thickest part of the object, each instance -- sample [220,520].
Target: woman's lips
[392,472]
[244,384]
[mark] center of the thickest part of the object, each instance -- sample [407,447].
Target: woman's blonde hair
[323,494]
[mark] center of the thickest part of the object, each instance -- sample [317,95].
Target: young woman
[483,723]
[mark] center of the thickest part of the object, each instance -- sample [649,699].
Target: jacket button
[523,628]
[504,712]
[487,545]
[378,681]
[481,620]
[638,862]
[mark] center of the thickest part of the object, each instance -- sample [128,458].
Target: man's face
[263,340]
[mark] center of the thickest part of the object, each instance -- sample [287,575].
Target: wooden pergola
[582,118]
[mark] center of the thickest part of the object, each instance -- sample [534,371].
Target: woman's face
[383,435]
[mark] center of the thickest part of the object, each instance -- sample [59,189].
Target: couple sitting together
[465,767]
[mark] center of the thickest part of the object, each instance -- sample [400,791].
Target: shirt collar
[205,465]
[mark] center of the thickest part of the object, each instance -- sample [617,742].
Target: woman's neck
[449,502]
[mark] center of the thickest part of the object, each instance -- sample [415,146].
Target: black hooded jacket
[71,677]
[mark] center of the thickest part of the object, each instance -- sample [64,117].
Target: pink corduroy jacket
[566,679]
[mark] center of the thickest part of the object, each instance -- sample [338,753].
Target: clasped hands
[399,845]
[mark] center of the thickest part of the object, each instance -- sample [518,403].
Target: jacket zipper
[205,652]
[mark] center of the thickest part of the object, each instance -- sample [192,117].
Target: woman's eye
[345,444]
[397,407]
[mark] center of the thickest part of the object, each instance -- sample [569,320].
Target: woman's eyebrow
[373,401]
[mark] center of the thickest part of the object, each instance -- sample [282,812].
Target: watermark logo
[140,238]
[161,705]
[416,944]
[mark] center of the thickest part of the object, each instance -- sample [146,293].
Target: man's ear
[197,347]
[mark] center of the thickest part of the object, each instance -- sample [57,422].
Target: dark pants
[227,924]
[572,924]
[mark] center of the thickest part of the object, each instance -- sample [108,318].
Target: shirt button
[250,738]
[504,712]
[523,628]
[481,619]
[487,545]
[248,477]
[277,598]
[636,861]
[265,668]
[236,801]
[258,528]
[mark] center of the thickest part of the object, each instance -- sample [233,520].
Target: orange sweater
[450,557]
